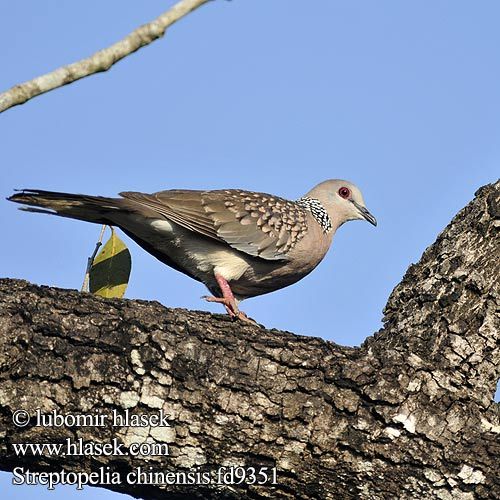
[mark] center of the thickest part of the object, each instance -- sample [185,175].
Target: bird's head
[342,200]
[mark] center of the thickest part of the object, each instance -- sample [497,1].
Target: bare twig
[100,61]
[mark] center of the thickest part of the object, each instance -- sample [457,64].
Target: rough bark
[409,414]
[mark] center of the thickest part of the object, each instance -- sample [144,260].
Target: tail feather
[76,206]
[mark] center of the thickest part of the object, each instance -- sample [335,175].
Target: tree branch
[100,61]
[409,414]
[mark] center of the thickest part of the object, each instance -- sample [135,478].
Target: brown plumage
[238,243]
[254,223]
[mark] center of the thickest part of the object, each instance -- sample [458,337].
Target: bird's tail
[75,206]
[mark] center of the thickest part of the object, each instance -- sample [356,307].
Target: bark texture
[409,414]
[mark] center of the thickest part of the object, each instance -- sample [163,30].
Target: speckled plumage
[257,224]
[317,210]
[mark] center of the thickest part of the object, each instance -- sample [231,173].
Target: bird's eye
[344,192]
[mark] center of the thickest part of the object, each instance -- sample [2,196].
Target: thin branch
[100,61]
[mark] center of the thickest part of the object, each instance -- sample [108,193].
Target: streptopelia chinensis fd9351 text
[238,243]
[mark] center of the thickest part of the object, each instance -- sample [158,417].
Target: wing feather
[257,224]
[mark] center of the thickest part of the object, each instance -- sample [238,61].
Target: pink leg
[227,293]
[227,296]
[228,300]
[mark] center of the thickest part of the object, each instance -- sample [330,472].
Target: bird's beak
[365,214]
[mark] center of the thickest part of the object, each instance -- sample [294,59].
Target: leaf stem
[90,260]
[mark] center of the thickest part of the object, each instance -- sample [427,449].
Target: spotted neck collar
[318,211]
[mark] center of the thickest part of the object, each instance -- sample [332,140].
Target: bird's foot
[230,305]
[243,317]
[229,301]
[231,308]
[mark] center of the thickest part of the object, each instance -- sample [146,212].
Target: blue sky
[399,97]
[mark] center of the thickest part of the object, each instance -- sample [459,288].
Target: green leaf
[110,270]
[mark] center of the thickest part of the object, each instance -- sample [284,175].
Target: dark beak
[364,212]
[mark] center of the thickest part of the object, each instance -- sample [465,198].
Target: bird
[238,243]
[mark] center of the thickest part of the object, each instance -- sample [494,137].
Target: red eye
[344,192]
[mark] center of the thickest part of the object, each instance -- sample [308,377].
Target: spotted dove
[238,243]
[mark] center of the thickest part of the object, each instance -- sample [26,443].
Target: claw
[243,317]
[231,309]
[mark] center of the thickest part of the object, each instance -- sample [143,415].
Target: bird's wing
[184,207]
[257,224]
